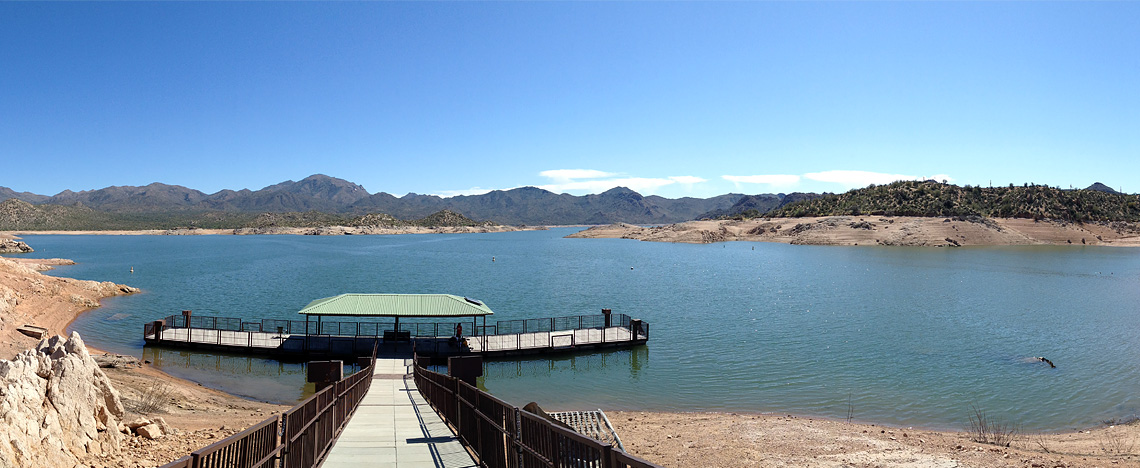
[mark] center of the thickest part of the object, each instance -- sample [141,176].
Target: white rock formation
[57,408]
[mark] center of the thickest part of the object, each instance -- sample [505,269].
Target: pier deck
[395,427]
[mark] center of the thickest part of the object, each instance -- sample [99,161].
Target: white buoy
[132,269]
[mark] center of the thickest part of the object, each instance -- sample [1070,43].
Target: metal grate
[592,424]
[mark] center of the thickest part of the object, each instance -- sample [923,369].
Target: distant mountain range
[322,200]
[321,193]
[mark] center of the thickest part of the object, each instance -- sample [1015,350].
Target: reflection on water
[525,380]
[631,359]
[252,377]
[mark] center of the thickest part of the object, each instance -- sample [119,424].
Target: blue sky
[672,98]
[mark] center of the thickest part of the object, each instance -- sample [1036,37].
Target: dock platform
[304,340]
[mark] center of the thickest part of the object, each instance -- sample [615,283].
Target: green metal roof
[397,305]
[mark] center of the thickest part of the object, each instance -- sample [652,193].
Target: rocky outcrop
[14,246]
[57,407]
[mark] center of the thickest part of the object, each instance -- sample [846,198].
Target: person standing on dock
[457,339]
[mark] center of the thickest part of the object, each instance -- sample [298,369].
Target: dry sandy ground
[765,440]
[879,230]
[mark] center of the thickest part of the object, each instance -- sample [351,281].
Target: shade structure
[396,305]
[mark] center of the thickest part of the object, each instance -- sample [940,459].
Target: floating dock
[303,340]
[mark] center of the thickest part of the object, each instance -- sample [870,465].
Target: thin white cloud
[852,179]
[687,180]
[642,185]
[582,181]
[470,191]
[776,180]
[568,175]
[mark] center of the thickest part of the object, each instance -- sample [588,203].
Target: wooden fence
[503,436]
[299,438]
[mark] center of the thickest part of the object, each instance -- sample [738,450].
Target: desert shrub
[988,430]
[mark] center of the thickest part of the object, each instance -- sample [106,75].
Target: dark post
[634,328]
[189,329]
[324,373]
[158,324]
[607,312]
[465,368]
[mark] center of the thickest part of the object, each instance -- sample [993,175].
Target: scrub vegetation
[933,199]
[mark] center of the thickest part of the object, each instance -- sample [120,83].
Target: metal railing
[503,436]
[377,328]
[299,438]
[291,336]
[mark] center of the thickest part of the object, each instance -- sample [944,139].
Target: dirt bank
[737,439]
[878,230]
[201,415]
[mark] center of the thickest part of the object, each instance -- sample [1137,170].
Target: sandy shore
[740,439]
[296,231]
[878,230]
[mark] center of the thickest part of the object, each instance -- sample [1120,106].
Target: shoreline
[297,231]
[713,439]
[880,231]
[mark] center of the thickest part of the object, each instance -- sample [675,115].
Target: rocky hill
[933,199]
[751,206]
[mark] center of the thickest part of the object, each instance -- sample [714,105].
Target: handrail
[376,329]
[503,436]
[300,437]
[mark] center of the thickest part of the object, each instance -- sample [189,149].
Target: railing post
[516,437]
[607,456]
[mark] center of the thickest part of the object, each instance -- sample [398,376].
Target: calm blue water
[909,336]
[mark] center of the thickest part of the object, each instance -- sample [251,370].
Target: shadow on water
[252,377]
[556,381]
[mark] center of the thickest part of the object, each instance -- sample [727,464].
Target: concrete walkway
[395,427]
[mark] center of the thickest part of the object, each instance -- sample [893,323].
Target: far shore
[298,231]
[881,230]
[672,439]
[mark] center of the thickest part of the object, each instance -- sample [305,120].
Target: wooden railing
[299,438]
[503,436]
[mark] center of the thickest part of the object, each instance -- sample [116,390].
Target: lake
[905,336]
